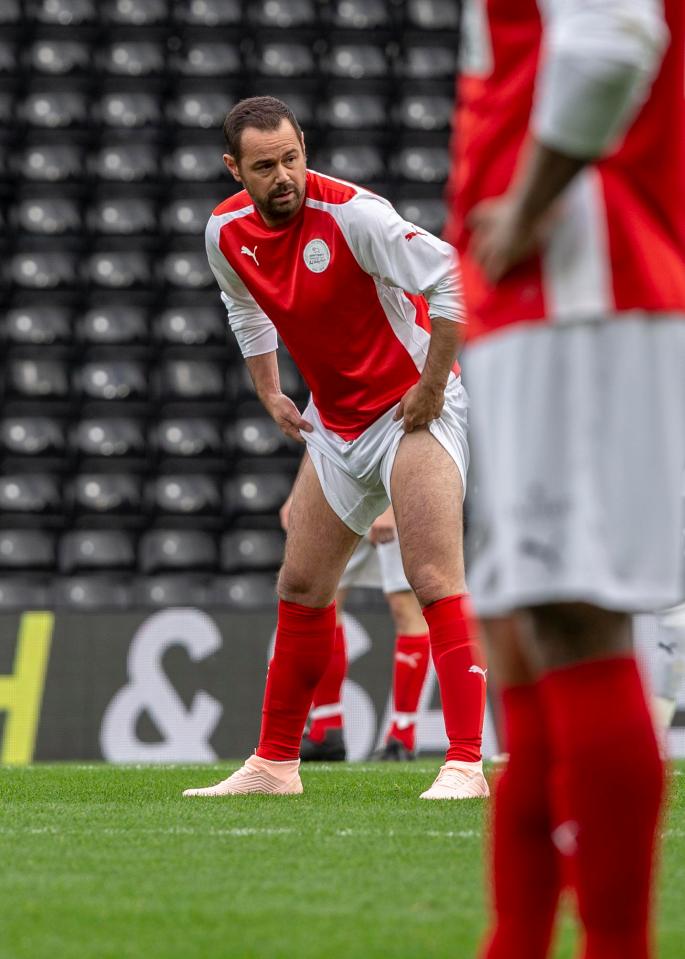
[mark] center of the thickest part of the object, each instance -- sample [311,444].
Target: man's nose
[281,173]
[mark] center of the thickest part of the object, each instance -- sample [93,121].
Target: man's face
[272,168]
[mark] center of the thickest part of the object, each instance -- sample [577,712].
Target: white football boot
[458,780]
[259,776]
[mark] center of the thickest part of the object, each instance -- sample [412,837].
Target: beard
[282,209]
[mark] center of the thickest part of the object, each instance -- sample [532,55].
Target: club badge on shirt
[316,256]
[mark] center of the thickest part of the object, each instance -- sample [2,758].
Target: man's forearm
[542,177]
[442,353]
[263,370]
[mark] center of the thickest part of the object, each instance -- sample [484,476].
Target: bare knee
[406,614]
[430,583]
[566,633]
[295,587]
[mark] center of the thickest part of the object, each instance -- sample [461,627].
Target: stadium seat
[356,62]
[96,592]
[207,59]
[29,493]
[169,549]
[244,592]
[65,13]
[188,437]
[426,213]
[192,380]
[422,164]
[258,436]
[32,436]
[112,380]
[191,495]
[6,108]
[38,325]
[361,14]
[349,111]
[433,14]
[49,162]
[54,109]
[28,549]
[178,589]
[252,549]
[430,62]
[132,58]
[106,493]
[200,108]
[9,62]
[425,112]
[128,110]
[39,270]
[58,57]
[113,324]
[208,13]
[285,14]
[191,326]
[91,549]
[361,164]
[122,216]
[286,60]
[47,215]
[23,593]
[187,269]
[136,13]
[119,270]
[197,162]
[109,438]
[188,215]
[125,162]
[44,379]
[255,493]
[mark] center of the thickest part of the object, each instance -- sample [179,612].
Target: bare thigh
[427,493]
[317,548]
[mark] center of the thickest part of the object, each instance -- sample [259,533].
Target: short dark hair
[262,113]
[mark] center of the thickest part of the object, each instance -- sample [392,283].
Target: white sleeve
[599,59]
[403,255]
[252,328]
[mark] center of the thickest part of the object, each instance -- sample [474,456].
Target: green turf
[101,861]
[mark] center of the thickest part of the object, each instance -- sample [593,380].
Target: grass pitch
[102,862]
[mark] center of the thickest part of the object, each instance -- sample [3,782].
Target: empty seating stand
[136,463]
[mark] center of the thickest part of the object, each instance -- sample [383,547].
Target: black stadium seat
[256,493]
[128,109]
[19,592]
[32,436]
[113,380]
[188,215]
[93,549]
[29,493]
[54,109]
[187,269]
[47,215]
[107,493]
[58,57]
[286,60]
[26,549]
[425,112]
[430,62]
[208,59]
[357,62]
[205,109]
[188,437]
[132,58]
[178,589]
[285,14]
[125,216]
[208,13]
[259,436]
[247,591]
[65,13]
[43,270]
[117,269]
[39,325]
[49,162]
[192,380]
[196,163]
[191,326]
[94,591]
[361,14]
[252,549]
[170,549]
[434,14]
[191,495]
[109,438]
[37,378]
[353,111]
[135,13]
[125,162]
[113,324]
[360,164]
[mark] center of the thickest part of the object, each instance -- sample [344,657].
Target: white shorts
[578,451]
[355,475]
[376,567]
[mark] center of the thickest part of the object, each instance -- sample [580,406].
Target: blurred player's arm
[257,339]
[598,62]
[404,256]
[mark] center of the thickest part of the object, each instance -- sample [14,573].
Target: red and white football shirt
[620,243]
[348,285]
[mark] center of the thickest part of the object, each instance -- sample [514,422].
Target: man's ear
[232,167]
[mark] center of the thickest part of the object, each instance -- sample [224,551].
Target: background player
[568,212]
[349,286]
[375,564]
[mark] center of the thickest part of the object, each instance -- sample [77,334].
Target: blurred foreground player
[349,286]
[375,564]
[569,215]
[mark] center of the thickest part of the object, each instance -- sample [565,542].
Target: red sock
[607,782]
[460,667]
[304,642]
[326,705]
[412,655]
[525,864]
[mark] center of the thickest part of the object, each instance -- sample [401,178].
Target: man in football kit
[349,286]
[567,211]
[375,564]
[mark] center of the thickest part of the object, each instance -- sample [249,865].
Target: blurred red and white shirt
[348,285]
[533,65]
